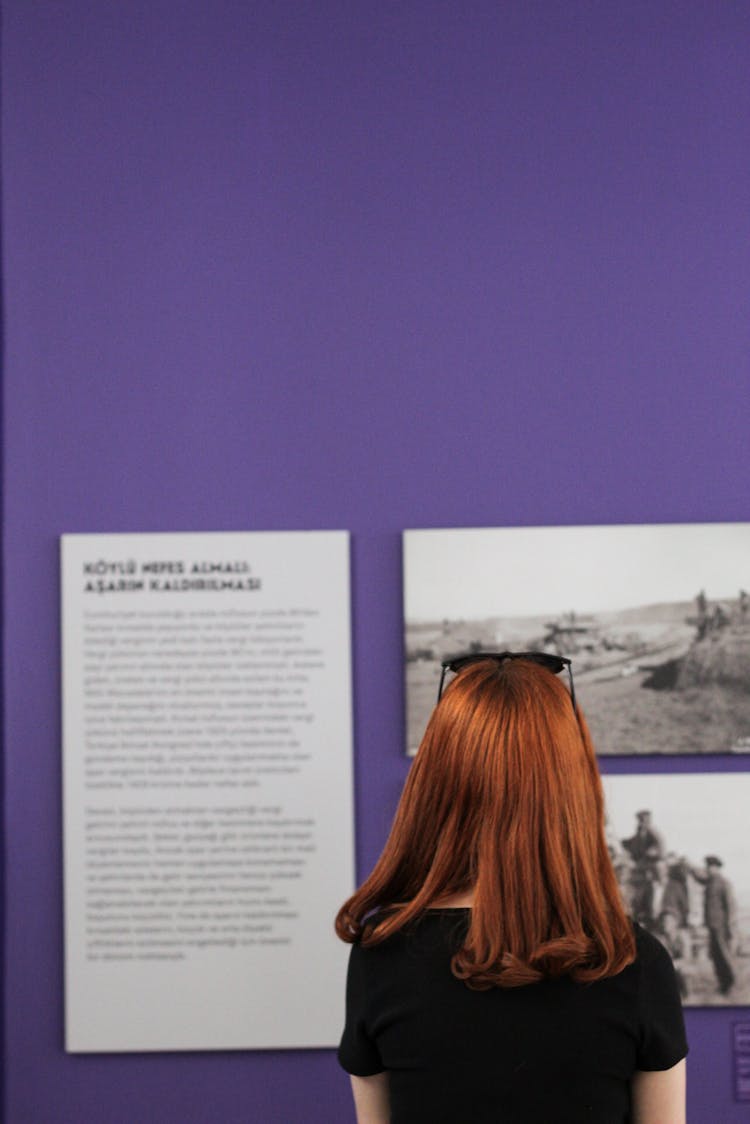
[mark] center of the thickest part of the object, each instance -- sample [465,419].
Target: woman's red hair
[504,796]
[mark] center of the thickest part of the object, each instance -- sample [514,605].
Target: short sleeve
[357,1052]
[662,1041]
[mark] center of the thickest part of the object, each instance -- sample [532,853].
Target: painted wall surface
[356,265]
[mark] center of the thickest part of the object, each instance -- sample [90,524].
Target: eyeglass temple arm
[572,688]
[442,680]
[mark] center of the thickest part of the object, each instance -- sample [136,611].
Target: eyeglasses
[553,663]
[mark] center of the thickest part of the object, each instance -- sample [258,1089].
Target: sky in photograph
[698,814]
[529,571]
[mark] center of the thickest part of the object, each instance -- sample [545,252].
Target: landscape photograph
[655,618]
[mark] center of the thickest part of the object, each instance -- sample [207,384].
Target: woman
[494,975]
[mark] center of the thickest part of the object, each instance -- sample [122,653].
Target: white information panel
[208,822]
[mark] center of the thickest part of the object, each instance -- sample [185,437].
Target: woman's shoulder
[434,927]
[653,961]
[648,947]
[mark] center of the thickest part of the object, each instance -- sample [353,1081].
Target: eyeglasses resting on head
[552,662]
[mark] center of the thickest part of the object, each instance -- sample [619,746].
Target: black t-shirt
[554,1052]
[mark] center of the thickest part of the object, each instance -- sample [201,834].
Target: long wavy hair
[503,798]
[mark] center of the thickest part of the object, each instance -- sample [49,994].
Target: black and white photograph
[680,847]
[655,618]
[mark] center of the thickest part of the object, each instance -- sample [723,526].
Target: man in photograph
[719,918]
[646,849]
[676,898]
[676,943]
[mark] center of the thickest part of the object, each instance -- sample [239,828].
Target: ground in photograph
[655,679]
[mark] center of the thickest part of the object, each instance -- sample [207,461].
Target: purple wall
[358,265]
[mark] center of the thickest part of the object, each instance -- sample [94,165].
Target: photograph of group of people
[679,849]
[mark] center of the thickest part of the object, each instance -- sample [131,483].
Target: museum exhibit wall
[359,266]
